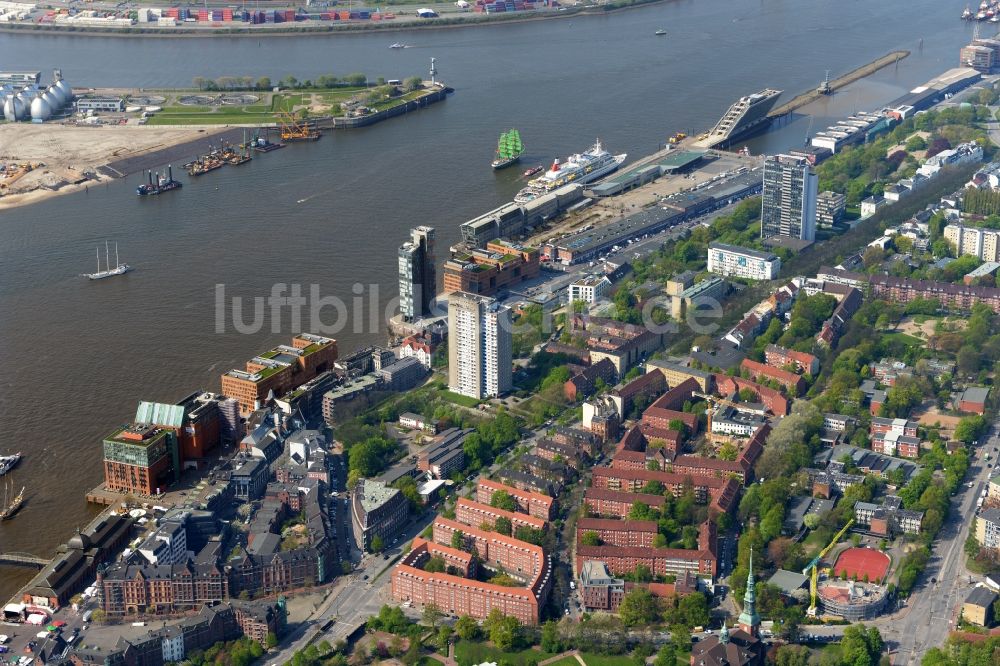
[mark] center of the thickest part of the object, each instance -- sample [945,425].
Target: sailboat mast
[117,263]
[98,250]
[107,256]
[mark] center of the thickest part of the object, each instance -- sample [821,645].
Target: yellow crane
[814,565]
[292,130]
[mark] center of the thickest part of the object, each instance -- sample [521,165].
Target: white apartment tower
[788,206]
[479,346]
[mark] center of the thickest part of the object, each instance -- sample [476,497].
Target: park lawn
[396,101]
[267,113]
[605,659]
[468,653]
[212,119]
[812,544]
[460,400]
[904,338]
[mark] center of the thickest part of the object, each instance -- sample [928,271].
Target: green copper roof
[158,413]
[749,615]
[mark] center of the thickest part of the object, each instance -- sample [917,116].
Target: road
[354,598]
[933,609]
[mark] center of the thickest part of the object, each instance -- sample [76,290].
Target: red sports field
[861,562]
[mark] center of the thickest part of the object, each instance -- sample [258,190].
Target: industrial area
[68,139]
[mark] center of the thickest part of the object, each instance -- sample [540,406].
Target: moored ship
[579,168]
[204,164]
[159,184]
[509,149]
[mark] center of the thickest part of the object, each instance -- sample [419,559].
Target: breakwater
[181,152]
[839,82]
[347,122]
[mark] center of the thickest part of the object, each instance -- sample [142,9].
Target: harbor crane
[292,130]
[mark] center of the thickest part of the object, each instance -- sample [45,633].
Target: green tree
[590,538]
[503,526]
[861,646]
[639,608]
[412,83]
[444,638]
[505,633]
[377,544]
[971,428]
[436,564]
[792,655]
[550,641]
[458,540]
[271,640]
[694,609]
[431,615]
[467,628]
[666,656]
[915,143]
[501,499]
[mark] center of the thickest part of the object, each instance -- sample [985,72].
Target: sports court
[859,562]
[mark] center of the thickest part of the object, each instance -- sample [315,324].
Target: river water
[77,356]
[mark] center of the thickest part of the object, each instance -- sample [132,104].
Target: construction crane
[292,130]
[814,565]
[712,401]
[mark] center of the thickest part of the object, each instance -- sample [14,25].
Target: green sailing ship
[509,149]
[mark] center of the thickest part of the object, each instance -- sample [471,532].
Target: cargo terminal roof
[680,160]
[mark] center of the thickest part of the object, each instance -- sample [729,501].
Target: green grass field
[606,659]
[904,338]
[288,102]
[468,653]
[462,400]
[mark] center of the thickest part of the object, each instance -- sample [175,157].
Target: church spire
[749,620]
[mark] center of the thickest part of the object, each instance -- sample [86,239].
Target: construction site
[117,132]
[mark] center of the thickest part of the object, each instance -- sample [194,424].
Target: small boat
[660,32]
[397,45]
[509,149]
[12,507]
[7,463]
[967,14]
[119,269]
[528,173]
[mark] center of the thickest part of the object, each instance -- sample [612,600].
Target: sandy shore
[73,156]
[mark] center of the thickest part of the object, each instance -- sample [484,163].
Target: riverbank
[74,158]
[839,82]
[314,28]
